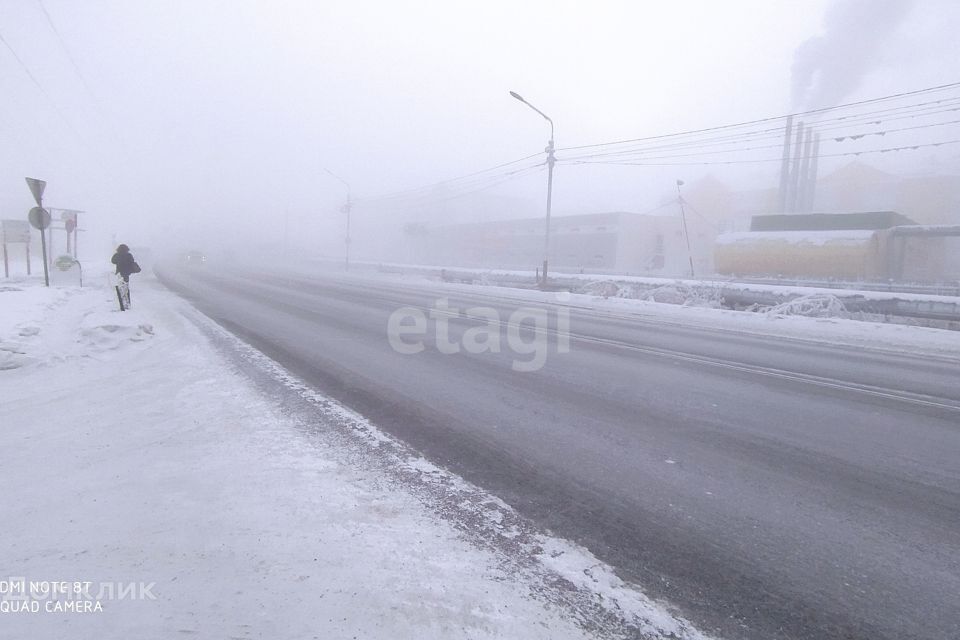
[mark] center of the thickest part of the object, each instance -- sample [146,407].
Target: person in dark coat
[125,262]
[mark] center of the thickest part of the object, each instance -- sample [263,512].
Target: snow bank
[105,331]
[676,293]
[46,325]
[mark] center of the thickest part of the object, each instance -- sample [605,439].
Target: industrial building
[870,246]
[614,242]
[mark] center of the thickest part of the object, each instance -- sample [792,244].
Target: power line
[43,91]
[101,111]
[476,181]
[770,119]
[868,118]
[25,68]
[66,51]
[913,147]
[412,192]
[640,155]
[454,191]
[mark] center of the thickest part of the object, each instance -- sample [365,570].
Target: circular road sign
[70,225]
[39,218]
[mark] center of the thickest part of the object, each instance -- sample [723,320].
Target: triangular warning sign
[36,188]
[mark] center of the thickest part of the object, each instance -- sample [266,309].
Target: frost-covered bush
[815,305]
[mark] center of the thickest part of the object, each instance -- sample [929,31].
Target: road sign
[70,225]
[15,231]
[39,218]
[36,188]
[65,262]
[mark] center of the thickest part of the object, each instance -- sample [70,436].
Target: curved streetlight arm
[545,116]
[345,183]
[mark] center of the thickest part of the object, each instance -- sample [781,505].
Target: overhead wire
[777,132]
[46,95]
[895,96]
[66,51]
[912,147]
[637,151]
[104,114]
[442,192]
[856,136]
[467,178]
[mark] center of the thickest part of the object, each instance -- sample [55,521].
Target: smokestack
[811,190]
[785,166]
[795,171]
[803,188]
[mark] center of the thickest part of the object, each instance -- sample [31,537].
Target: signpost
[14,231]
[69,219]
[71,227]
[40,219]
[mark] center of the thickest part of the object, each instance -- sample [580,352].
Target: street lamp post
[550,162]
[346,209]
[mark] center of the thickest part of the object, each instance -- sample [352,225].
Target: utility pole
[686,234]
[551,160]
[346,209]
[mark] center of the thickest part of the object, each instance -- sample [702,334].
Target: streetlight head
[517,96]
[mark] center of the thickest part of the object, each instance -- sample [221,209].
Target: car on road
[194,257]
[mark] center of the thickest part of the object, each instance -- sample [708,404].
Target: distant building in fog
[871,246]
[623,242]
[615,242]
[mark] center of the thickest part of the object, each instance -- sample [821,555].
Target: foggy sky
[205,119]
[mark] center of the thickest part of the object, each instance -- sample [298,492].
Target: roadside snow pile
[676,293]
[684,295]
[105,331]
[605,288]
[46,325]
[816,305]
[24,307]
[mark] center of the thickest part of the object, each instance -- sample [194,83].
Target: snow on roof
[817,238]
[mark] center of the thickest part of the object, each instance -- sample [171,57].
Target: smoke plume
[828,67]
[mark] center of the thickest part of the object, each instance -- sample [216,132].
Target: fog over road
[769,488]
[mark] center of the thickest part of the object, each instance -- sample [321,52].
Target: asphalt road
[769,488]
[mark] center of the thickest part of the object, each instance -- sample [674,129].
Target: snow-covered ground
[767,299]
[146,456]
[683,302]
[701,314]
[717,283]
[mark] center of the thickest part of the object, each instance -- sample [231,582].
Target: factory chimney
[798,175]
